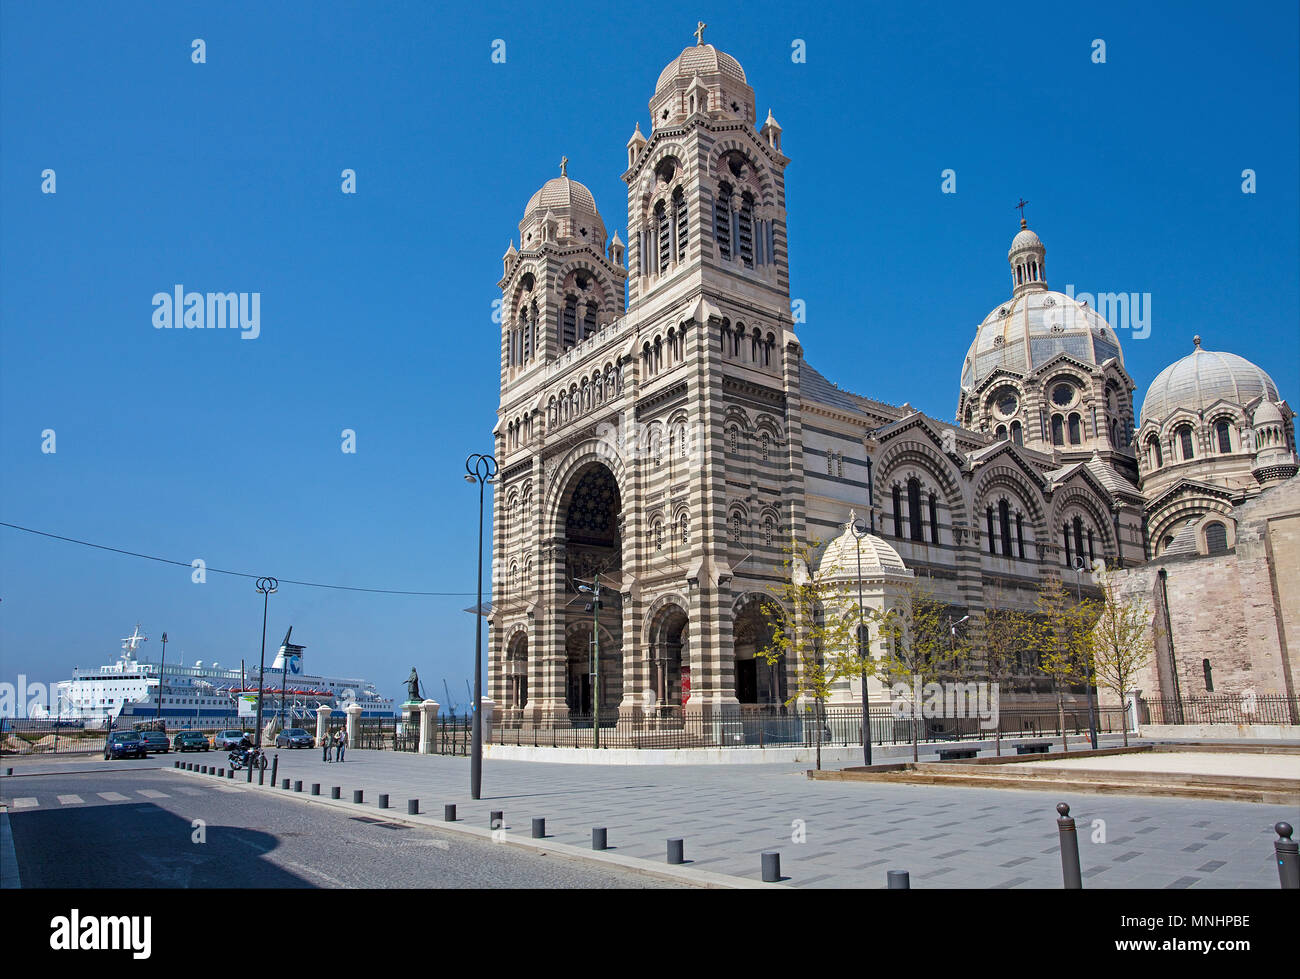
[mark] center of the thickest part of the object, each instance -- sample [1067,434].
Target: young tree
[1123,640]
[808,631]
[1059,636]
[921,646]
[1000,642]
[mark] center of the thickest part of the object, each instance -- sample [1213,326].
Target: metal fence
[1220,709]
[452,736]
[777,727]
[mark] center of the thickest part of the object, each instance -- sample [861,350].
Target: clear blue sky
[376,308]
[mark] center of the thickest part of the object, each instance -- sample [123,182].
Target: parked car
[191,741]
[294,737]
[228,739]
[155,741]
[124,744]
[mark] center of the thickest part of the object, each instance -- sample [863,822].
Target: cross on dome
[564,166]
[1021,207]
[699,32]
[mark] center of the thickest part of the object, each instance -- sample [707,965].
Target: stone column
[354,723]
[322,723]
[552,656]
[428,726]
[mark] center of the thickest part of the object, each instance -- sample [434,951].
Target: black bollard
[449,812]
[261,775]
[203,769]
[1288,857]
[898,880]
[297,785]
[275,767]
[599,838]
[315,788]
[412,807]
[1069,849]
[284,783]
[771,866]
[248,776]
[496,819]
[221,773]
[335,792]
[175,764]
[230,773]
[383,802]
[676,850]
[357,795]
[539,828]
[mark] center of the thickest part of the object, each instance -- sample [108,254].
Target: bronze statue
[413,686]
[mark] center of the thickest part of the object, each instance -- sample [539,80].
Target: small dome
[1267,414]
[561,192]
[1203,377]
[840,559]
[572,205]
[700,59]
[1025,239]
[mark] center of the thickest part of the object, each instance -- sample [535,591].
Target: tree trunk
[1124,706]
[915,708]
[1060,718]
[818,714]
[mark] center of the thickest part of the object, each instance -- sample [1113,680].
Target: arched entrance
[593,560]
[757,681]
[517,672]
[670,663]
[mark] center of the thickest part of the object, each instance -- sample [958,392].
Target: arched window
[733,439]
[993,542]
[684,528]
[1078,537]
[769,531]
[1154,456]
[934,521]
[589,322]
[722,221]
[914,508]
[682,219]
[1222,431]
[1001,432]
[735,528]
[1092,555]
[898,513]
[1058,430]
[763,445]
[1075,430]
[1004,521]
[569,325]
[657,534]
[1216,538]
[664,236]
[745,230]
[1069,558]
[1017,433]
[1184,436]
[1020,536]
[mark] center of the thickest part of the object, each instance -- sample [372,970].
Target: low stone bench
[949,754]
[1034,748]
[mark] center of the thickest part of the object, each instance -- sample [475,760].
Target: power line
[237,574]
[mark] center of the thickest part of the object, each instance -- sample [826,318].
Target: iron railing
[1220,709]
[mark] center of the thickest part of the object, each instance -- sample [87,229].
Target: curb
[699,878]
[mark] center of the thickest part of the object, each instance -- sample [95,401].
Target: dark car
[294,737]
[191,741]
[228,739]
[155,741]
[124,744]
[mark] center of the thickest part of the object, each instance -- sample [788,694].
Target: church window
[839,464]
[769,531]
[657,532]
[735,528]
[733,439]
[1216,538]
[1069,558]
[1225,438]
[914,509]
[1075,430]
[1078,538]
[1002,432]
[1004,521]
[767,350]
[934,521]
[1092,555]
[1209,676]
[993,544]
[722,221]
[1184,435]
[682,220]
[569,325]
[1017,433]
[664,236]
[1058,430]
[1020,536]
[1062,395]
[589,322]
[684,528]
[746,230]
[1155,458]
[898,513]
[763,445]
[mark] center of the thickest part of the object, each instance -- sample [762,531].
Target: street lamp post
[162,669]
[858,534]
[266,587]
[478,469]
[594,591]
[1079,567]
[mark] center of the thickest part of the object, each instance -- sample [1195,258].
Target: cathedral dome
[1203,377]
[700,59]
[840,559]
[572,205]
[1027,331]
[1025,239]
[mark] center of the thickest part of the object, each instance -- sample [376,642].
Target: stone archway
[670,662]
[516,672]
[757,681]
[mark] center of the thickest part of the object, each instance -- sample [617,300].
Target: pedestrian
[340,744]
[325,744]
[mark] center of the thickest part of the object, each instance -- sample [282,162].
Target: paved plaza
[854,832]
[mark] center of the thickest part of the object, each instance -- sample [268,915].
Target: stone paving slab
[854,832]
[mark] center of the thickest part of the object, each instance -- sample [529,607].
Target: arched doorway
[517,672]
[757,681]
[593,559]
[669,651]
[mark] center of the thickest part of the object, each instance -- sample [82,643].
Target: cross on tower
[1021,208]
[699,32]
[564,166]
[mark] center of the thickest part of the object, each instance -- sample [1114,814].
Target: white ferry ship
[199,695]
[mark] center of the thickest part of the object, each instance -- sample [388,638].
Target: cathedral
[663,438]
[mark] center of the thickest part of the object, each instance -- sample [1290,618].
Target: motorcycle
[247,758]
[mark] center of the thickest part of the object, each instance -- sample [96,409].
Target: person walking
[340,744]
[325,744]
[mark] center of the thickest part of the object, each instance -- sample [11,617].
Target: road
[132,825]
